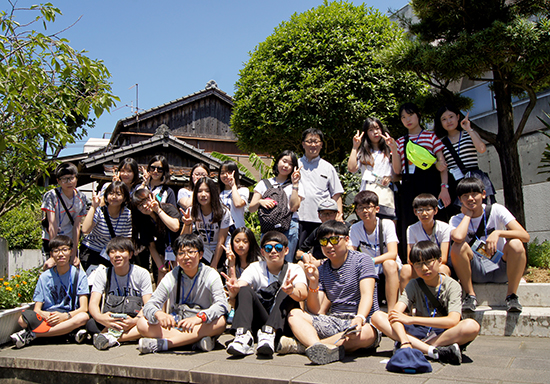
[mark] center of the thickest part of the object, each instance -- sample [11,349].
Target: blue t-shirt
[54,290]
[342,285]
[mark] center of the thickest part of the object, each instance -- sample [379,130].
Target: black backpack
[279,217]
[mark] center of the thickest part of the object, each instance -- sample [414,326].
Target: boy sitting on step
[435,301]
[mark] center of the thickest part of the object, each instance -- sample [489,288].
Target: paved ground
[489,359]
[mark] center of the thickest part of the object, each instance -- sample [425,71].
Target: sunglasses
[269,247]
[155,168]
[333,240]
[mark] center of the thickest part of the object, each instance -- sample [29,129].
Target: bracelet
[294,188]
[363,318]
[69,315]
[313,290]
[443,185]
[405,343]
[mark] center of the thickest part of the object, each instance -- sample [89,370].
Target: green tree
[506,43]
[318,70]
[48,92]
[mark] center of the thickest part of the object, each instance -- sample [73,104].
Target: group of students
[324,304]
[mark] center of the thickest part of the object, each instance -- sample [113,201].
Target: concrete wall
[11,261]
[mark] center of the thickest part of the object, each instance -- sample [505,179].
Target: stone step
[530,294]
[495,321]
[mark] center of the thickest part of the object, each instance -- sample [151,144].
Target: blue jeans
[292,236]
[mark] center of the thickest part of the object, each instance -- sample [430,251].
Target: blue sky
[172,48]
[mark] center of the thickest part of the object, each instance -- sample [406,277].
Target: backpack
[279,217]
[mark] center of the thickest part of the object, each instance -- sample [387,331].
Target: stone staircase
[491,313]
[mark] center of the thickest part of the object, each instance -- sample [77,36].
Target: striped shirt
[465,149]
[342,285]
[100,235]
[426,139]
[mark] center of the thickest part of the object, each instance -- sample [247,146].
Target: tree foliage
[319,70]
[47,93]
[506,43]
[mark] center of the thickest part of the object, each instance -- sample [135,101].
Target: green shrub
[21,227]
[539,254]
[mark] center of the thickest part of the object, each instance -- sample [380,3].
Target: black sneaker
[512,303]
[469,304]
[450,354]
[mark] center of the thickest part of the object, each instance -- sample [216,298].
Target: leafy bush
[21,227]
[19,288]
[539,254]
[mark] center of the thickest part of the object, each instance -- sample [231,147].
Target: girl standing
[232,195]
[155,178]
[287,175]
[185,195]
[371,154]
[210,218]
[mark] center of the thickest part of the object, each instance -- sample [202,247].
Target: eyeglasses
[312,142]
[427,263]
[423,210]
[327,214]
[269,247]
[333,240]
[366,207]
[155,168]
[188,252]
[67,179]
[57,251]
[199,175]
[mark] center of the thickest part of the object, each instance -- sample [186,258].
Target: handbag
[419,156]
[267,295]
[130,305]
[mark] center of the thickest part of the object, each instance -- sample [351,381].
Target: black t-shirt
[147,230]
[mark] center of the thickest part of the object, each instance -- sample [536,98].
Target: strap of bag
[108,220]
[108,283]
[405,154]
[454,154]
[481,228]
[431,297]
[178,285]
[64,206]
[75,286]
[380,236]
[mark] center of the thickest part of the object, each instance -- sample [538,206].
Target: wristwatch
[202,316]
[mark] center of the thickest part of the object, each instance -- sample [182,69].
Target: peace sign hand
[116,175]
[96,200]
[186,216]
[288,287]
[146,175]
[296,175]
[232,285]
[357,139]
[390,141]
[465,123]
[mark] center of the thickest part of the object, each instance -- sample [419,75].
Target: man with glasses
[342,296]
[64,207]
[265,293]
[319,180]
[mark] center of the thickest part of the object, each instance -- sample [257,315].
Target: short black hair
[425,200]
[411,109]
[424,250]
[61,241]
[468,185]
[274,236]
[65,169]
[332,227]
[293,159]
[366,197]
[188,240]
[121,244]
[118,186]
[313,131]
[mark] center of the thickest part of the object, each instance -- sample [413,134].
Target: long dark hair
[230,166]
[438,127]
[133,165]
[365,150]
[254,253]
[215,203]
[165,167]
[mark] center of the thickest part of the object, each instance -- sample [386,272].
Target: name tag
[169,254]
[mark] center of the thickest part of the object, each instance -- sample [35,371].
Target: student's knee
[390,267]
[22,323]
[296,317]
[218,326]
[380,319]
[142,325]
[461,252]
[514,248]
[470,328]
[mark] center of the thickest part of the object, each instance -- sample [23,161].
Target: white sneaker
[103,341]
[266,341]
[290,345]
[149,345]
[243,344]
[22,338]
[205,344]
[80,336]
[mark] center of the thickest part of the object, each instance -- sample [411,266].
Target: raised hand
[357,139]
[231,179]
[146,175]
[390,141]
[116,175]
[465,123]
[296,175]
[186,216]
[288,286]
[153,204]
[268,203]
[96,200]
[232,285]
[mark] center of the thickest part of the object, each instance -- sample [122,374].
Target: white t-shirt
[257,275]
[261,188]
[441,233]
[237,214]
[497,220]
[209,232]
[381,168]
[136,283]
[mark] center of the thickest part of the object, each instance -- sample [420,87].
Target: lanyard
[206,230]
[375,237]
[418,137]
[426,298]
[127,290]
[459,142]
[434,233]
[67,291]
[484,221]
[183,288]
[117,220]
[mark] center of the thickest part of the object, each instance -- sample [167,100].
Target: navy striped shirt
[100,235]
[342,285]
